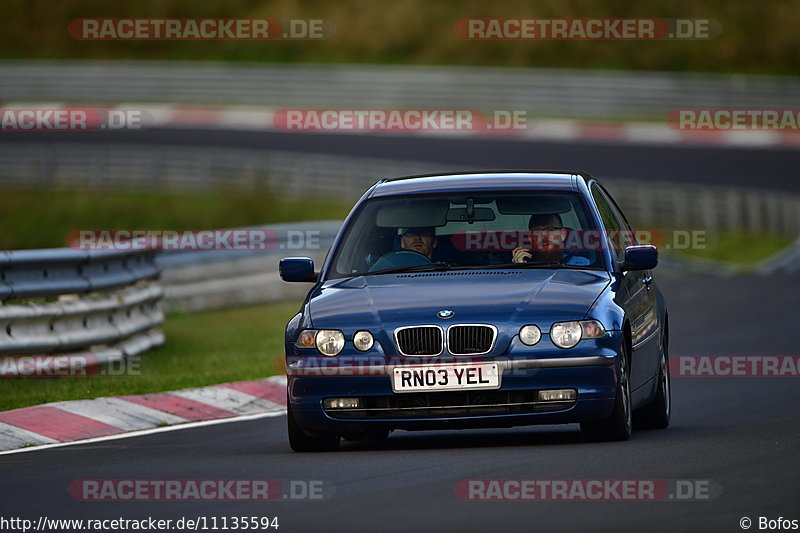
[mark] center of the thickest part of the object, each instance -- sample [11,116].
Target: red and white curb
[80,420]
[259,118]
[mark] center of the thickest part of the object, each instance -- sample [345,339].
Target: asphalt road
[740,434]
[747,167]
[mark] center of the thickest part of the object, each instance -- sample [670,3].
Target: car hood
[506,297]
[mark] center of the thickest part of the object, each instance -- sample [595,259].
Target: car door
[634,295]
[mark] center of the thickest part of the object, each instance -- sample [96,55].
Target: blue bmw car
[474,300]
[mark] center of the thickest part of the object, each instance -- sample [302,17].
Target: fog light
[363,340]
[340,403]
[557,395]
[530,334]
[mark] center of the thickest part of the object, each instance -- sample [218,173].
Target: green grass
[755,37]
[739,249]
[201,349]
[43,218]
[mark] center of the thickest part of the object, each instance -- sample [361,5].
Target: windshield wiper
[541,264]
[531,264]
[440,265]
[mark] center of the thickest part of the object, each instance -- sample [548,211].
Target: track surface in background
[740,433]
[774,168]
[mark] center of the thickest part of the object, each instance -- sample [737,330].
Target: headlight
[363,340]
[330,341]
[306,338]
[530,335]
[568,334]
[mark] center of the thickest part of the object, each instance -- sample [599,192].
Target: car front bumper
[515,403]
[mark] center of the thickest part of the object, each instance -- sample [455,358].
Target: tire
[656,414]
[618,426]
[300,441]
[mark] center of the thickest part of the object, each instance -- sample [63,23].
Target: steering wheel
[400,258]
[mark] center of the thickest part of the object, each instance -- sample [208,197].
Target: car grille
[419,340]
[470,340]
[449,404]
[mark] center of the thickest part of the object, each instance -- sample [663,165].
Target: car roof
[484,180]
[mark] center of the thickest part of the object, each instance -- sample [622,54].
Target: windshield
[465,231]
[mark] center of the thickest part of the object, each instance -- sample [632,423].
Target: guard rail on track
[551,92]
[69,301]
[198,280]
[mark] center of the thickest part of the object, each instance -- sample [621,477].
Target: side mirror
[642,257]
[298,269]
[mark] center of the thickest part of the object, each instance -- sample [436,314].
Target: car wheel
[300,441]
[618,425]
[656,414]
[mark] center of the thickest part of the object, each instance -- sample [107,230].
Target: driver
[421,240]
[547,237]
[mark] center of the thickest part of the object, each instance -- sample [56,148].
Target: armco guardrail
[714,209]
[66,301]
[550,92]
[198,280]
[195,168]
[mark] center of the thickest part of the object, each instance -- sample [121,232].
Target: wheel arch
[627,343]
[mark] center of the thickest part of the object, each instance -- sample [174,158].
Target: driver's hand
[519,255]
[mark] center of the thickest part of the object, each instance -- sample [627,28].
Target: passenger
[548,236]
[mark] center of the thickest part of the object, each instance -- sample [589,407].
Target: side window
[617,211]
[610,221]
[628,236]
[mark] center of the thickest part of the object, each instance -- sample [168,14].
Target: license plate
[446,377]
